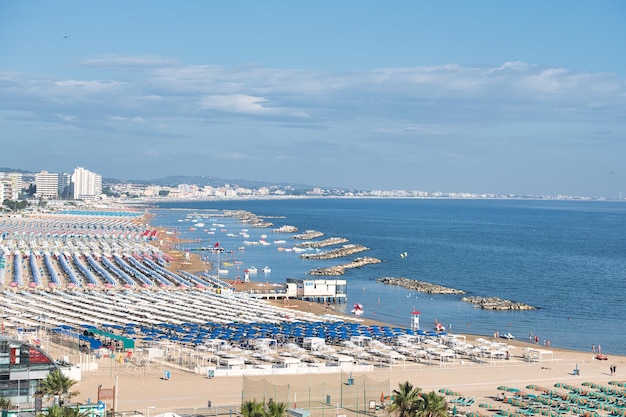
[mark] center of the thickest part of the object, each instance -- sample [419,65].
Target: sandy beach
[145,390]
[141,388]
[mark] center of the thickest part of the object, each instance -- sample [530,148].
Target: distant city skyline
[76,186]
[480,97]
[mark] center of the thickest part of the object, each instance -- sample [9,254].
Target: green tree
[252,409]
[432,405]
[275,409]
[57,384]
[5,403]
[406,400]
[53,411]
[60,411]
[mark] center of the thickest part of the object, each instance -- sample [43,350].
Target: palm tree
[275,409]
[405,401]
[59,411]
[252,409]
[57,384]
[53,411]
[5,403]
[432,405]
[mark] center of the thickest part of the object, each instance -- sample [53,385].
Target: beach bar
[320,290]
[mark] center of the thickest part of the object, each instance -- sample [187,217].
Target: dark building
[22,365]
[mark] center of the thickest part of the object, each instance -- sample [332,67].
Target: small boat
[602,357]
[252,270]
[507,335]
[357,309]
[267,269]
[439,327]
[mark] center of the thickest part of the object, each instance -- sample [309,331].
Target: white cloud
[245,104]
[66,117]
[128,62]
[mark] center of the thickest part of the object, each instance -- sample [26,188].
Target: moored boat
[357,309]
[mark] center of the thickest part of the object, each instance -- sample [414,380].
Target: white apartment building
[5,189]
[86,184]
[14,186]
[47,184]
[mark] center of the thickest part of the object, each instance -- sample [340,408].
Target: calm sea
[566,258]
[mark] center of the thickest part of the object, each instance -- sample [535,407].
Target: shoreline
[144,388]
[197,265]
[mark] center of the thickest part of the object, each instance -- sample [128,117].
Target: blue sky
[525,97]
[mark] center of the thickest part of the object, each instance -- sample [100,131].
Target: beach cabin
[288,362]
[537,355]
[314,343]
[231,363]
[342,360]
[361,341]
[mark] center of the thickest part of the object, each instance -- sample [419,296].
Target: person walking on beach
[593,348]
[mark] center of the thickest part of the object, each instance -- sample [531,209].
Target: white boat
[252,270]
[507,335]
[267,269]
[357,309]
[222,271]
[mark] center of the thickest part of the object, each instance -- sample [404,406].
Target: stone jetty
[419,286]
[309,234]
[345,250]
[495,303]
[323,243]
[341,269]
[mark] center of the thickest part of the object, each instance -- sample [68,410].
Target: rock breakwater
[345,250]
[322,243]
[495,303]
[248,218]
[308,234]
[341,269]
[420,286]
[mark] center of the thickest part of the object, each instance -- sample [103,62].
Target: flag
[216,244]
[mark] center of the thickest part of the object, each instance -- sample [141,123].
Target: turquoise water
[566,258]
